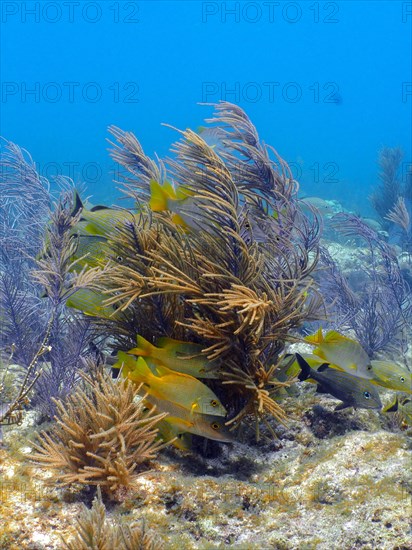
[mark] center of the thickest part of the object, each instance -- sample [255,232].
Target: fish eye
[402,379]
[215,425]
[214,403]
[366,394]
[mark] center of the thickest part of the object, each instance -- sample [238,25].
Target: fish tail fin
[142,372]
[169,189]
[316,338]
[304,366]
[124,362]
[143,348]
[158,197]
[392,407]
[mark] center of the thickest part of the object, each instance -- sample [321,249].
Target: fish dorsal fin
[334,337]
[78,205]
[316,338]
[165,342]
[161,370]
[323,367]
[99,207]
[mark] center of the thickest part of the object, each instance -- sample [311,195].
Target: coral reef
[197,297]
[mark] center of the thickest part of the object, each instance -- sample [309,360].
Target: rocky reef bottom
[331,480]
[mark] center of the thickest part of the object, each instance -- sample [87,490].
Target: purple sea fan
[24,201]
[24,207]
[26,314]
[380,311]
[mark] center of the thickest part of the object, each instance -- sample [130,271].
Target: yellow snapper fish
[181,420]
[91,303]
[342,352]
[184,357]
[90,250]
[181,389]
[402,406]
[392,376]
[178,201]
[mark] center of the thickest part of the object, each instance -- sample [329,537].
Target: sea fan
[35,286]
[381,311]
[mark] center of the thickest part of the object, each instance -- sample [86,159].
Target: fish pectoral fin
[194,408]
[178,220]
[323,367]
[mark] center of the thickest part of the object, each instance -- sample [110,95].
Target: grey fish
[324,207]
[351,390]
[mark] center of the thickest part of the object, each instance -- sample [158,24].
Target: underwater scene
[205,275]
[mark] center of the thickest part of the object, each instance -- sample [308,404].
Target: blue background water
[326,83]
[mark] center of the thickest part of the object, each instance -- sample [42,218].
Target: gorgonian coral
[103,436]
[224,259]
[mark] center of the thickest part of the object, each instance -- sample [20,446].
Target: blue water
[326,83]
